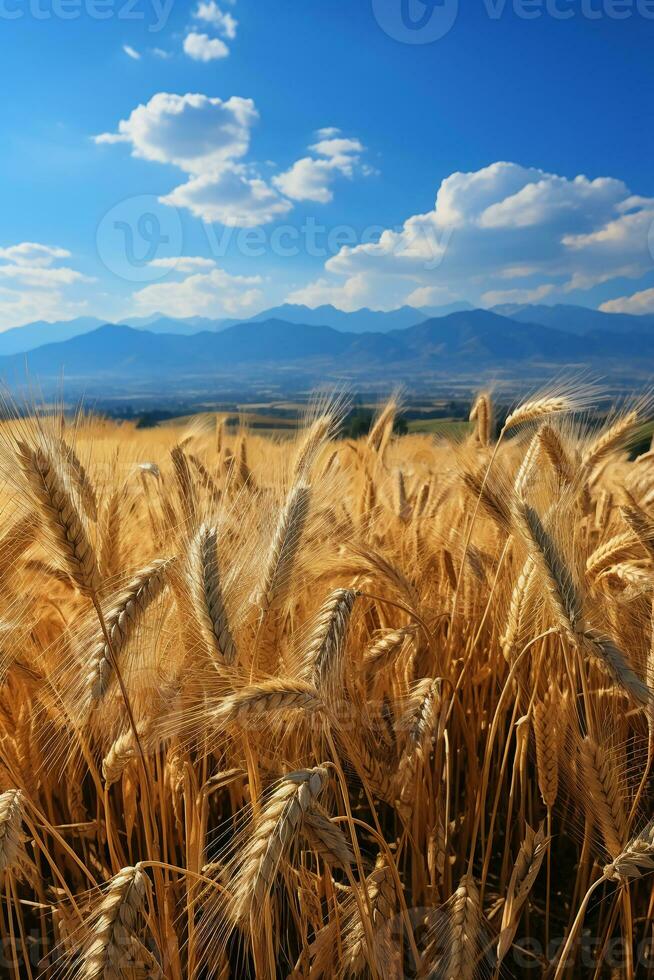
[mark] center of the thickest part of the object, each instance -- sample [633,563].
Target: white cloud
[339,147]
[354,293]
[328,132]
[201,47]
[185,263]
[131,52]
[32,253]
[499,223]
[642,302]
[194,132]
[207,138]
[429,296]
[497,297]
[231,196]
[214,294]
[34,287]
[210,13]
[40,277]
[307,180]
[310,178]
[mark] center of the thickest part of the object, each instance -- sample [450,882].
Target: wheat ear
[534,410]
[554,449]
[185,485]
[326,839]
[604,799]
[383,652]
[311,445]
[482,414]
[565,598]
[608,441]
[121,620]
[273,833]
[460,958]
[114,929]
[617,548]
[492,503]
[382,427]
[284,547]
[525,871]
[608,654]
[381,899]
[80,478]
[62,516]
[641,525]
[637,857]
[265,698]
[548,743]
[123,751]
[323,653]
[11,819]
[207,594]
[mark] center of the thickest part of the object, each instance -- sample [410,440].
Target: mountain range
[275,354]
[578,320]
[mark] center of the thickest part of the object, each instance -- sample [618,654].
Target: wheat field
[324,708]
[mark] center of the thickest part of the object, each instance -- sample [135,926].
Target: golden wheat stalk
[206,592]
[11,819]
[274,831]
[326,838]
[482,414]
[524,874]
[257,701]
[604,797]
[121,619]
[283,548]
[107,953]
[61,515]
[323,653]
[533,411]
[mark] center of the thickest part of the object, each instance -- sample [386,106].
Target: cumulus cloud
[311,178]
[208,139]
[638,303]
[231,196]
[42,278]
[214,294]
[328,132]
[33,286]
[201,47]
[194,132]
[307,180]
[555,234]
[131,52]
[185,263]
[32,253]
[210,13]
[351,295]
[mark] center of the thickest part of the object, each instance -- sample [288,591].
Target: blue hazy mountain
[32,335]
[273,352]
[576,319]
[568,319]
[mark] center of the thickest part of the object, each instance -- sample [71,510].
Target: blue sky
[217,157]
